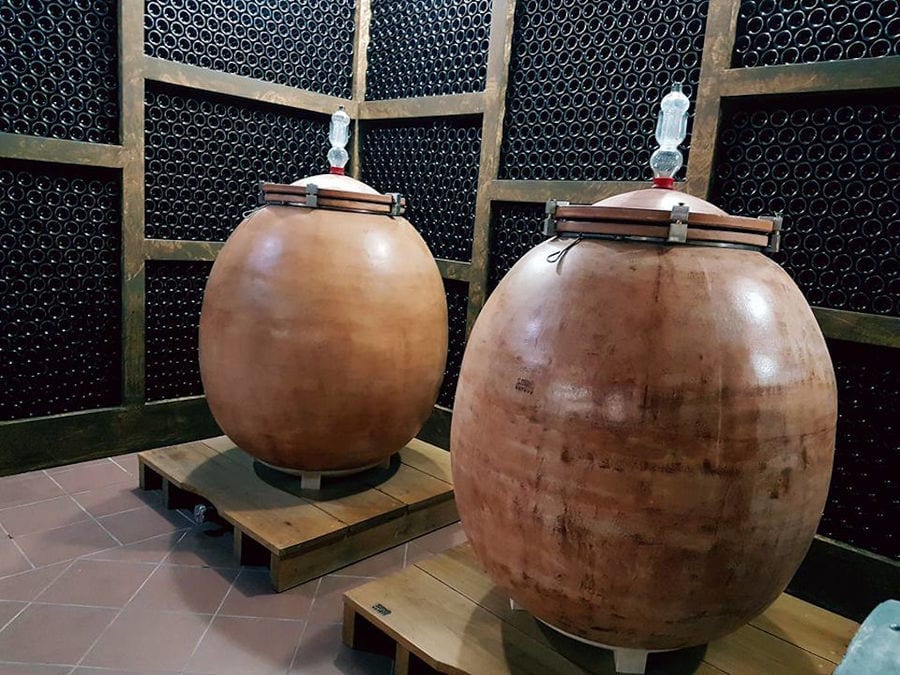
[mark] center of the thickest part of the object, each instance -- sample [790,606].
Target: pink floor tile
[150,640]
[64,543]
[321,652]
[73,631]
[242,645]
[26,488]
[153,549]
[41,516]
[30,669]
[186,589]
[328,606]
[68,467]
[377,565]
[11,558]
[91,476]
[130,671]
[128,462]
[116,498]
[97,582]
[252,596]
[8,610]
[201,549]
[26,585]
[143,523]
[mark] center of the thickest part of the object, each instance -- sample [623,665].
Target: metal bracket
[678,224]
[550,219]
[312,195]
[397,208]
[775,236]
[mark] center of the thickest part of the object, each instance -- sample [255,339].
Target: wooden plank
[219,82]
[845,579]
[499,50]
[410,486]
[428,458]
[454,269]
[60,151]
[168,249]
[360,68]
[751,651]
[428,106]
[291,569]
[346,500]
[882,72]
[450,632]
[349,499]
[282,522]
[42,442]
[812,628]
[873,329]
[792,637]
[577,192]
[131,121]
[718,45]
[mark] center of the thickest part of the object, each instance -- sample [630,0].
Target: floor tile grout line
[113,460]
[212,620]
[305,625]
[63,494]
[85,556]
[9,537]
[89,515]
[38,594]
[65,468]
[122,609]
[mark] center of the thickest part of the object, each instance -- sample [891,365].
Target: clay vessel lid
[661,214]
[333,190]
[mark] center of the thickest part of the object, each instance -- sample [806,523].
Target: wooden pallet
[444,615]
[302,534]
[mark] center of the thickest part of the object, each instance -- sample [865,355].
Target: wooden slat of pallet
[360,543]
[412,487]
[279,521]
[791,637]
[422,456]
[393,494]
[433,621]
[279,524]
[751,651]
[823,633]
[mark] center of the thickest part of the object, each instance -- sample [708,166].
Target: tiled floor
[97,577]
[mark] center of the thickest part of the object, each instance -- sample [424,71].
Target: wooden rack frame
[136,424]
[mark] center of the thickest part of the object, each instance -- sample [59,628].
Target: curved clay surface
[323,336]
[642,438]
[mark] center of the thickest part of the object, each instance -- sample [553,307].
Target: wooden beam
[131,111]
[360,68]
[873,329]
[454,269]
[175,249]
[718,44]
[429,106]
[160,70]
[503,14]
[60,151]
[577,192]
[831,76]
[844,579]
[43,442]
